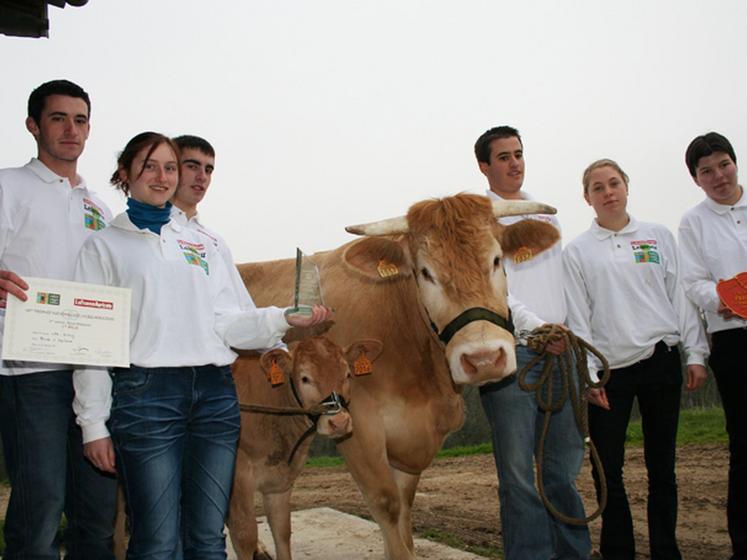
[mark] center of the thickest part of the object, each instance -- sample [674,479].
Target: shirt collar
[181,216]
[122,221]
[524,195]
[724,208]
[48,176]
[602,233]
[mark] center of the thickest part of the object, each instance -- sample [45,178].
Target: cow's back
[410,394]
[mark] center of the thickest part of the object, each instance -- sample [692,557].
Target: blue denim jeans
[175,433]
[529,530]
[49,475]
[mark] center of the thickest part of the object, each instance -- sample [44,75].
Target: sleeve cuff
[95,431]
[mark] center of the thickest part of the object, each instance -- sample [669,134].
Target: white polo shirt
[184,310]
[43,224]
[713,243]
[624,294]
[220,244]
[535,286]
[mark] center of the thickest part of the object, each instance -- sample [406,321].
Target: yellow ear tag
[523,254]
[275,376]
[387,269]
[362,365]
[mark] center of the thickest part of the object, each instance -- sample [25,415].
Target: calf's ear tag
[523,254]
[387,269]
[362,365]
[275,376]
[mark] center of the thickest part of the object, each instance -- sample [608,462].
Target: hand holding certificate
[69,323]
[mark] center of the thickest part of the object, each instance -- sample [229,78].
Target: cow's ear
[527,238]
[281,358]
[370,347]
[379,259]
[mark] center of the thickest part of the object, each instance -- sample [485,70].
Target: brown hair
[602,163]
[144,140]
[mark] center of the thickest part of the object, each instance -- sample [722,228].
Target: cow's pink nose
[340,423]
[484,363]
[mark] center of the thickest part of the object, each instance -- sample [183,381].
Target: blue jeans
[529,530]
[49,475]
[175,433]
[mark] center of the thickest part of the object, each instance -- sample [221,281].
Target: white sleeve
[246,328]
[245,299]
[690,326]
[92,402]
[578,303]
[93,386]
[697,281]
[524,318]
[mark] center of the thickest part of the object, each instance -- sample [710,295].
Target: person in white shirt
[196,166]
[625,297]
[713,240]
[173,414]
[46,213]
[535,287]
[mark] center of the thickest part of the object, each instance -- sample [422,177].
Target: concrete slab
[333,535]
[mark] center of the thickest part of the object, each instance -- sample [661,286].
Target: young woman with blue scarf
[169,422]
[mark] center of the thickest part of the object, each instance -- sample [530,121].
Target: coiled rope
[575,351]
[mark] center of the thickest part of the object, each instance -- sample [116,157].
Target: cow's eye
[305,379]
[496,262]
[426,275]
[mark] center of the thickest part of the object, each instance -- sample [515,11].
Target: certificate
[69,323]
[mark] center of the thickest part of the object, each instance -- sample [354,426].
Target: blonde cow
[430,285]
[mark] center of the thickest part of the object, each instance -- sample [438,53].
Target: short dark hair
[38,97]
[705,145]
[482,146]
[149,140]
[187,141]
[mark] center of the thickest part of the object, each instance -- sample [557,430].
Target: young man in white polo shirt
[713,243]
[46,213]
[196,166]
[536,297]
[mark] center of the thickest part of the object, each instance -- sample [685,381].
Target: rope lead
[575,351]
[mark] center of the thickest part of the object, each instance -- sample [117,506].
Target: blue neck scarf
[146,216]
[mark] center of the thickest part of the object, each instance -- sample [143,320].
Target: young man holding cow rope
[536,298]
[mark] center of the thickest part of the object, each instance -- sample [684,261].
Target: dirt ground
[459,497]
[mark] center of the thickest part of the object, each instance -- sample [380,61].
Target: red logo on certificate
[733,292]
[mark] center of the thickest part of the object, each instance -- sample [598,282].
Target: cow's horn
[520,207]
[390,226]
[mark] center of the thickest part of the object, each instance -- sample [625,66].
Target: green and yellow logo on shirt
[195,254]
[93,217]
[645,251]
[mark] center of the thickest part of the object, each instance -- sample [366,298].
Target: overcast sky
[326,113]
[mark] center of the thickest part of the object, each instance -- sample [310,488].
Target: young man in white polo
[535,285]
[713,243]
[46,213]
[196,166]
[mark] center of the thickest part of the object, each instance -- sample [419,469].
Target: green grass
[697,425]
[439,536]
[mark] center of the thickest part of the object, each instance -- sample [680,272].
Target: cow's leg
[120,525]
[242,521]
[277,508]
[365,456]
[407,484]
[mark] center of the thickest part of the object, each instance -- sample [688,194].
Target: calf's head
[317,369]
